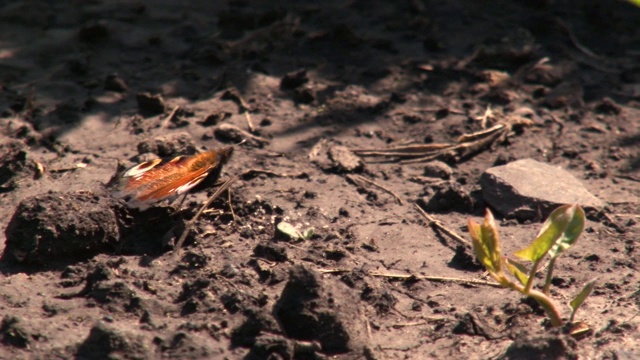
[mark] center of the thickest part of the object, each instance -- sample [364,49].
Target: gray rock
[524,188]
[438,169]
[345,160]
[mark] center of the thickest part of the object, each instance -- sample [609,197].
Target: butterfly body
[156,180]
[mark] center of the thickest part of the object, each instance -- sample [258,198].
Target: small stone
[608,107]
[568,93]
[115,83]
[171,145]
[527,187]
[229,271]
[266,346]
[271,252]
[550,74]
[438,169]
[304,95]
[447,197]
[150,105]
[294,79]
[494,77]
[344,160]
[215,118]
[231,133]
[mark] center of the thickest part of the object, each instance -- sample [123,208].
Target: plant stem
[549,306]
[547,280]
[532,275]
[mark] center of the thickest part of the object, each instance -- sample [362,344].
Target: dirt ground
[88,86]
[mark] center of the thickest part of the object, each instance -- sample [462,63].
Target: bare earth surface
[88,85]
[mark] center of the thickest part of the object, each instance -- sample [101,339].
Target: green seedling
[293,233]
[558,233]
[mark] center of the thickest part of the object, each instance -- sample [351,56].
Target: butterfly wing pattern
[152,181]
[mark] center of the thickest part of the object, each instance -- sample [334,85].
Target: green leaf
[581,297]
[307,234]
[289,230]
[559,231]
[635,2]
[486,243]
[482,253]
[518,270]
[571,232]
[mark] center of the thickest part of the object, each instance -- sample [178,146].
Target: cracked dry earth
[90,88]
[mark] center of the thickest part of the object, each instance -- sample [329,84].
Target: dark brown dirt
[87,88]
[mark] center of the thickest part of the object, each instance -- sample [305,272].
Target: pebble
[525,188]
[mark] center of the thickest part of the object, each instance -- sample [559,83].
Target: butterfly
[152,181]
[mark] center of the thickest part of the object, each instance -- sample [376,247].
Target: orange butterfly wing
[155,180]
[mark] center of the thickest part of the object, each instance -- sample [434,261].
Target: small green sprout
[558,233]
[293,233]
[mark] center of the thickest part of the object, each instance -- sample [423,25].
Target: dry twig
[418,277]
[592,59]
[359,180]
[433,222]
[466,145]
[77,166]
[253,172]
[235,133]
[171,116]
[437,278]
[332,271]
[233,94]
[215,195]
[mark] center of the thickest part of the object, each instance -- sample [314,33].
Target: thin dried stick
[627,177]
[601,63]
[247,114]
[232,93]
[249,122]
[488,113]
[315,150]
[419,277]
[233,214]
[360,178]
[574,40]
[437,224]
[172,114]
[403,150]
[77,166]
[368,324]
[215,195]
[438,279]
[418,323]
[423,158]
[480,134]
[271,173]
[469,148]
[334,271]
